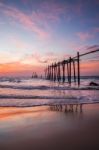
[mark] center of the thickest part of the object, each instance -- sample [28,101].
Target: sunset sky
[34,33]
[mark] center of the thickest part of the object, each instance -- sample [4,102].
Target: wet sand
[40,128]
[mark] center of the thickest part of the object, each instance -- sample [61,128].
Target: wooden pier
[66,69]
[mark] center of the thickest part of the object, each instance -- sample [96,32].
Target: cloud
[27,21]
[89,68]
[18,43]
[25,1]
[32,59]
[96,29]
[93,47]
[53,9]
[84,35]
[90,34]
[88,48]
[17,68]
[6,57]
[36,58]
[39,20]
[51,57]
[42,59]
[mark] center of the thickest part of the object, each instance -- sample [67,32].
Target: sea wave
[44,87]
[30,100]
[37,102]
[12,96]
[29,93]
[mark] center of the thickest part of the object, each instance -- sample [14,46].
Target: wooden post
[70,70]
[55,72]
[48,72]
[58,72]
[78,64]
[74,71]
[59,77]
[52,71]
[45,73]
[63,67]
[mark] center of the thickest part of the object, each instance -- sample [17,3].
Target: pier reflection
[67,108]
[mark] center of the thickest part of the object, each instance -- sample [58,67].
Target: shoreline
[47,105]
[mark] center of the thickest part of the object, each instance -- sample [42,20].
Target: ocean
[29,92]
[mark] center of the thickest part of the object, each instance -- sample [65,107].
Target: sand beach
[37,128]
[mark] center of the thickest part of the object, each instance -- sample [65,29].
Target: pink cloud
[25,1]
[88,35]
[52,57]
[27,21]
[87,48]
[53,9]
[85,35]
[39,20]
[38,59]
[96,29]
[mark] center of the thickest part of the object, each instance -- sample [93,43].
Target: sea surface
[28,92]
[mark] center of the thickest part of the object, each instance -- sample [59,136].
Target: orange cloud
[18,68]
[21,69]
[89,68]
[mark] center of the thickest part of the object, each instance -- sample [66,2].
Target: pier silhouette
[66,69]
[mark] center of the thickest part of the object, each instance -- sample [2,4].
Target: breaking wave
[31,92]
[50,87]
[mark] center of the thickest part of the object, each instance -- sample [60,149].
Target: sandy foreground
[39,128]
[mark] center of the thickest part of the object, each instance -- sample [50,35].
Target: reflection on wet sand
[12,112]
[67,107]
[60,128]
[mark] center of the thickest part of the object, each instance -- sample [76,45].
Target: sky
[35,33]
